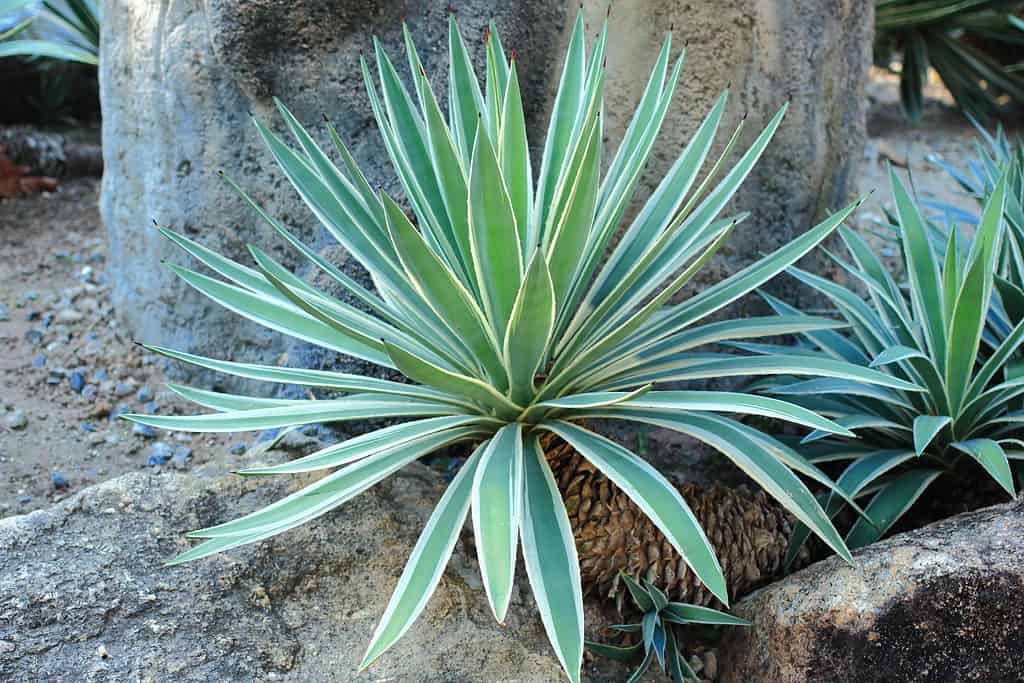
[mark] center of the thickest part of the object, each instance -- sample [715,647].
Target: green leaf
[683,613]
[619,654]
[889,504]
[563,118]
[365,445]
[497,501]
[493,235]
[990,455]
[221,401]
[529,328]
[656,496]
[922,269]
[768,365]
[733,402]
[426,563]
[47,48]
[465,102]
[926,428]
[566,235]
[643,599]
[973,300]
[451,177]
[310,502]
[595,399]
[894,354]
[551,561]
[313,378]
[514,154]
[356,407]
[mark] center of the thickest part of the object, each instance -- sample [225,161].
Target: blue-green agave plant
[506,305]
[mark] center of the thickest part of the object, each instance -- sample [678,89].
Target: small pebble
[100,376]
[47,320]
[145,431]
[4,315]
[117,412]
[710,664]
[69,315]
[123,389]
[90,391]
[145,395]
[32,316]
[34,337]
[86,427]
[696,663]
[16,419]
[101,652]
[58,480]
[24,500]
[182,456]
[39,361]
[237,449]
[159,454]
[77,381]
[149,408]
[31,296]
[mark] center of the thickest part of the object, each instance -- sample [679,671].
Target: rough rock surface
[941,603]
[84,595]
[179,81]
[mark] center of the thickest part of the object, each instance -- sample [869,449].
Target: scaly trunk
[749,532]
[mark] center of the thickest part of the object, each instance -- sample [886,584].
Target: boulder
[84,595]
[179,81]
[942,603]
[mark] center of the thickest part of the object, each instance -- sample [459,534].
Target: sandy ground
[67,369]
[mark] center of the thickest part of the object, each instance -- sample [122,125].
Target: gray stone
[218,61]
[68,315]
[16,419]
[88,574]
[941,603]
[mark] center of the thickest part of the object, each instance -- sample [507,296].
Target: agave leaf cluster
[659,633]
[929,333]
[505,305]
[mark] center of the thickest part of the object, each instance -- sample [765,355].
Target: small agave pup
[504,310]
[933,332]
[659,636]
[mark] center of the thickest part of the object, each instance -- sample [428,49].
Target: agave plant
[511,317]
[956,38]
[929,333]
[658,629]
[74,23]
